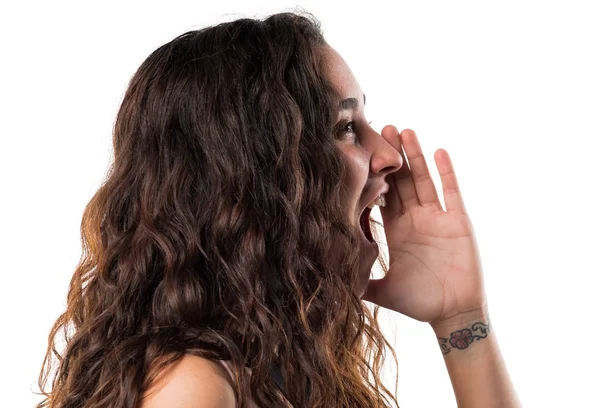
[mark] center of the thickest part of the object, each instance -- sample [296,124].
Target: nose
[386,157]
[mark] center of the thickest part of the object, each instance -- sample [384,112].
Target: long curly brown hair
[213,232]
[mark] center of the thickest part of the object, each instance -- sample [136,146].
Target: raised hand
[434,267]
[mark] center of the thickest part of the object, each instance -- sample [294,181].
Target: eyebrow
[351,103]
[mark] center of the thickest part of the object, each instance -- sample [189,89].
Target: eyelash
[346,124]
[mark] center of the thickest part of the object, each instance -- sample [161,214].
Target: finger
[402,192]
[452,195]
[423,184]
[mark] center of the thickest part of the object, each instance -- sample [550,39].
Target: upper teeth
[380,201]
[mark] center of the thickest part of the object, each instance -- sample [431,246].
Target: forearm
[474,362]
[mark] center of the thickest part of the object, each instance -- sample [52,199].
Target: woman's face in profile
[367,155]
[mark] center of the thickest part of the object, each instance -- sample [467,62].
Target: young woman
[227,255]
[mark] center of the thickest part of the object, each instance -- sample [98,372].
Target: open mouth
[365,224]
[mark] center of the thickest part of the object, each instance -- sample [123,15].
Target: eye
[349,127]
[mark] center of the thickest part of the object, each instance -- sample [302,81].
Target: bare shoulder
[192,382]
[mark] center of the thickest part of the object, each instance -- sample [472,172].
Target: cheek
[357,171]
[354,181]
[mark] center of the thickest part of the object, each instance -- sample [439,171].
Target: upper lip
[382,190]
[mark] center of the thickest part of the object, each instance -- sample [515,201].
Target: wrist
[463,319]
[474,362]
[462,330]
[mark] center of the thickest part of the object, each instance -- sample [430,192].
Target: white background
[510,89]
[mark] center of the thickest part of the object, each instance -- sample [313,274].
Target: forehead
[340,74]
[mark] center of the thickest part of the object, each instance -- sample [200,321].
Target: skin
[434,275]
[434,272]
[369,157]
